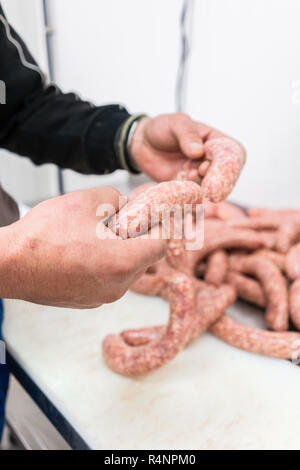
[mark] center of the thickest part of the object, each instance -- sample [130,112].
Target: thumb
[187,134]
[109,201]
[145,250]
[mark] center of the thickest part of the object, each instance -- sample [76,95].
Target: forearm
[70,133]
[10,254]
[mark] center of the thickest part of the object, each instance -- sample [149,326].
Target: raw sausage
[261,212]
[247,289]
[285,345]
[131,361]
[227,161]
[216,268]
[155,279]
[152,205]
[256,223]
[232,239]
[273,284]
[187,261]
[277,258]
[211,304]
[295,303]
[288,234]
[292,262]
[223,211]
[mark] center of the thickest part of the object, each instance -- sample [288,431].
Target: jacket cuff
[100,136]
[121,144]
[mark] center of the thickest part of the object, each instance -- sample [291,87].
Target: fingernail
[193,175]
[196,147]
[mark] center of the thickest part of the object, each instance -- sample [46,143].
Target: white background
[244,61]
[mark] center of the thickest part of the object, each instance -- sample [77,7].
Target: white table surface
[211,396]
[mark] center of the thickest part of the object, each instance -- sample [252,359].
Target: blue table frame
[62,425]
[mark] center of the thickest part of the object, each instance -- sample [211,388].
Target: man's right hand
[53,255]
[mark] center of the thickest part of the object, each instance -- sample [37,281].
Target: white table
[211,396]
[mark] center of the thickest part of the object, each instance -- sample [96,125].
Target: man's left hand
[164,145]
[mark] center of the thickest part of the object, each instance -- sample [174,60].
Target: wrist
[131,162]
[9,261]
[137,141]
[122,144]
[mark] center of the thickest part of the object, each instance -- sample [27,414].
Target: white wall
[18,175]
[245,58]
[116,51]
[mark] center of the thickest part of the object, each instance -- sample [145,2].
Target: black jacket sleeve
[48,126]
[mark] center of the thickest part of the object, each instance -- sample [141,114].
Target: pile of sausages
[253,255]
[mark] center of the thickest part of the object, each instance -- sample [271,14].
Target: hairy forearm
[10,254]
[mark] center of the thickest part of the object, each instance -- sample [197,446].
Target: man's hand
[53,255]
[164,145]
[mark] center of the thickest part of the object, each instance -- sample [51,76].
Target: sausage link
[285,345]
[140,189]
[216,268]
[227,160]
[152,205]
[288,234]
[256,223]
[227,211]
[261,212]
[223,210]
[232,239]
[292,262]
[142,336]
[177,256]
[132,361]
[247,289]
[148,285]
[187,261]
[154,280]
[273,284]
[277,258]
[295,303]
[268,238]
[211,304]
[214,227]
